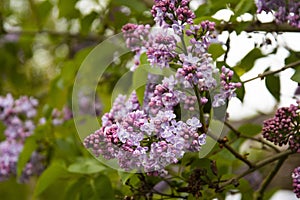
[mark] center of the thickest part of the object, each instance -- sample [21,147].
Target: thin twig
[237,155]
[55,34]
[241,135]
[260,192]
[263,75]
[258,27]
[257,166]
[231,150]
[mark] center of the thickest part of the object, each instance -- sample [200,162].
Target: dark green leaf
[103,188]
[273,85]
[86,23]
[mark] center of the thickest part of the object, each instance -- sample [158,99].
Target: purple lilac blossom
[283,128]
[17,116]
[161,49]
[136,37]
[227,88]
[296,181]
[172,13]
[284,11]
[142,141]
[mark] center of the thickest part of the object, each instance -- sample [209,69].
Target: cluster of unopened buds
[147,136]
[296,181]
[284,11]
[17,117]
[284,127]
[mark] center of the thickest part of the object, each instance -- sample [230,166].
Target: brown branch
[257,166]
[223,143]
[55,33]
[238,156]
[263,75]
[258,195]
[241,135]
[258,27]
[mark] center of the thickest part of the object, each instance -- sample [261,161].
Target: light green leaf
[54,172]
[250,129]
[29,146]
[216,50]
[296,75]
[243,6]
[86,166]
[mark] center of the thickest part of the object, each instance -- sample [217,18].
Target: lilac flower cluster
[296,181]
[136,39]
[284,11]
[17,116]
[147,142]
[172,13]
[150,136]
[161,49]
[227,88]
[283,128]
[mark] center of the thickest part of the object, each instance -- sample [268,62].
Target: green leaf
[29,146]
[103,188]
[134,5]
[86,166]
[216,50]
[126,176]
[67,9]
[243,6]
[43,10]
[74,188]
[296,75]
[273,85]
[86,23]
[247,63]
[250,129]
[54,172]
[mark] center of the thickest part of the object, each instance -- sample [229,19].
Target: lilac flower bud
[283,127]
[296,181]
